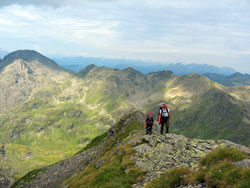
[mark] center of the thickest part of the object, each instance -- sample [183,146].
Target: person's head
[150,114]
[164,106]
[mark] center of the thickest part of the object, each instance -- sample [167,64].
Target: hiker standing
[149,123]
[163,117]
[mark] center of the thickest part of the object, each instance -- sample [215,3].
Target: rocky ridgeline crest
[37,99]
[154,154]
[158,153]
[52,176]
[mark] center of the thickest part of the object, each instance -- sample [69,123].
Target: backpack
[149,120]
[164,113]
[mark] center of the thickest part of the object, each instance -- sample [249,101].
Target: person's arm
[170,115]
[159,117]
[153,122]
[144,124]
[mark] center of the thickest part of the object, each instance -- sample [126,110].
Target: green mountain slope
[49,114]
[125,157]
[215,115]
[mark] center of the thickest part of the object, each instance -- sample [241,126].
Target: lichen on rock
[158,153]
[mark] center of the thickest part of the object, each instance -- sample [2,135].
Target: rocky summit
[141,157]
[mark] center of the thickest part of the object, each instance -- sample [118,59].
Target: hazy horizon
[207,32]
[115,61]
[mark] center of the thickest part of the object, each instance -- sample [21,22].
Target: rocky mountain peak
[86,70]
[239,75]
[24,70]
[131,71]
[28,56]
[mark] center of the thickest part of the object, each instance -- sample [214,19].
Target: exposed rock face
[194,186]
[245,163]
[153,153]
[53,176]
[22,72]
[31,85]
[4,182]
[2,151]
[158,153]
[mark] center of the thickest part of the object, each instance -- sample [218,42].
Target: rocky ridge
[52,176]
[154,154]
[158,153]
[45,107]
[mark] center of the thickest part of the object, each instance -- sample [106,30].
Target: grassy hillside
[125,157]
[60,112]
[220,119]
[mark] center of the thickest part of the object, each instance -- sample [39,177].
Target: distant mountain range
[78,63]
[223,75]
[47,113]
[236,79]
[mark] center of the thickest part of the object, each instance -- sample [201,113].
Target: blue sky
[188,31]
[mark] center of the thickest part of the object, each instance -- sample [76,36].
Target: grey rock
[2,151]
[117,152]
[99,163]
[4,182]
[52,176]
[156,154]
[202,185]
[153,153]
[126,171]
[245,163]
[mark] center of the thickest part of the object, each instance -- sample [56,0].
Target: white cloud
[165,30]
[52,3]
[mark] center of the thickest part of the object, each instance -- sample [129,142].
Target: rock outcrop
[53,176]
[4,182]
[154,154]
[2,151]
[158,153]
[245,163]
[5,179]
[43,106]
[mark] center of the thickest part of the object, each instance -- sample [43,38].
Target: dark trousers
[165,122]
[149,129]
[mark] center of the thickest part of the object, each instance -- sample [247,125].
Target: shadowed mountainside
[48,114]
[236,79]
